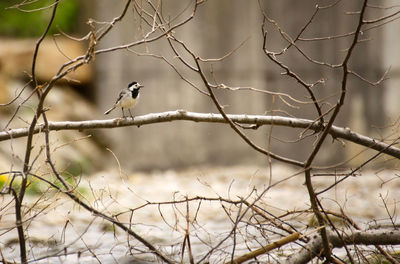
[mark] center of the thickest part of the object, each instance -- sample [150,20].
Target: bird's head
[134,86]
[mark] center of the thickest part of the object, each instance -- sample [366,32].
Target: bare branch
[115,20]
[313,248]
[258,120]
[289,72]
[35,53]
[276,244]
[313,197]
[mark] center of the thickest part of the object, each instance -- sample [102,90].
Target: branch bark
[314,247]
[255,253]
[257,120]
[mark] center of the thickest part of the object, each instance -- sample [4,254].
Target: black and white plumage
[127,98]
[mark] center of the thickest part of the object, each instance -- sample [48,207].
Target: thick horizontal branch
[376,237]
[258,120]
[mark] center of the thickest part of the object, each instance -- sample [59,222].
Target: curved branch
[257,120]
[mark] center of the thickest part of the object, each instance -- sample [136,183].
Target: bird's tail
[109,110]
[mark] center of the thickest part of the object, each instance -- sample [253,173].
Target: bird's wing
[121,94]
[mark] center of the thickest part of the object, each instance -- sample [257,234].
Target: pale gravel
[360,197]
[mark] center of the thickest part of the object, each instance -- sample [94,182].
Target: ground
[61,228]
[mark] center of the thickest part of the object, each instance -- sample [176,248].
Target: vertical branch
[318,214]
[20,228]
[42,92]
[311,192]
[39,107]
[186,240]
[19,198]
[48,154]
[35,53]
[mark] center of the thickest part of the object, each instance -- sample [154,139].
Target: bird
[127,98]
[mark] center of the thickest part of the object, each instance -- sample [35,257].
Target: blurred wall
[220,26]
[391,59]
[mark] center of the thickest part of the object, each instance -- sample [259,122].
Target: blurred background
[217,28]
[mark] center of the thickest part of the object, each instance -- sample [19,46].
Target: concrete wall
[220,26]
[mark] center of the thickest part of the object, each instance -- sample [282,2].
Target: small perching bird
[127,98]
